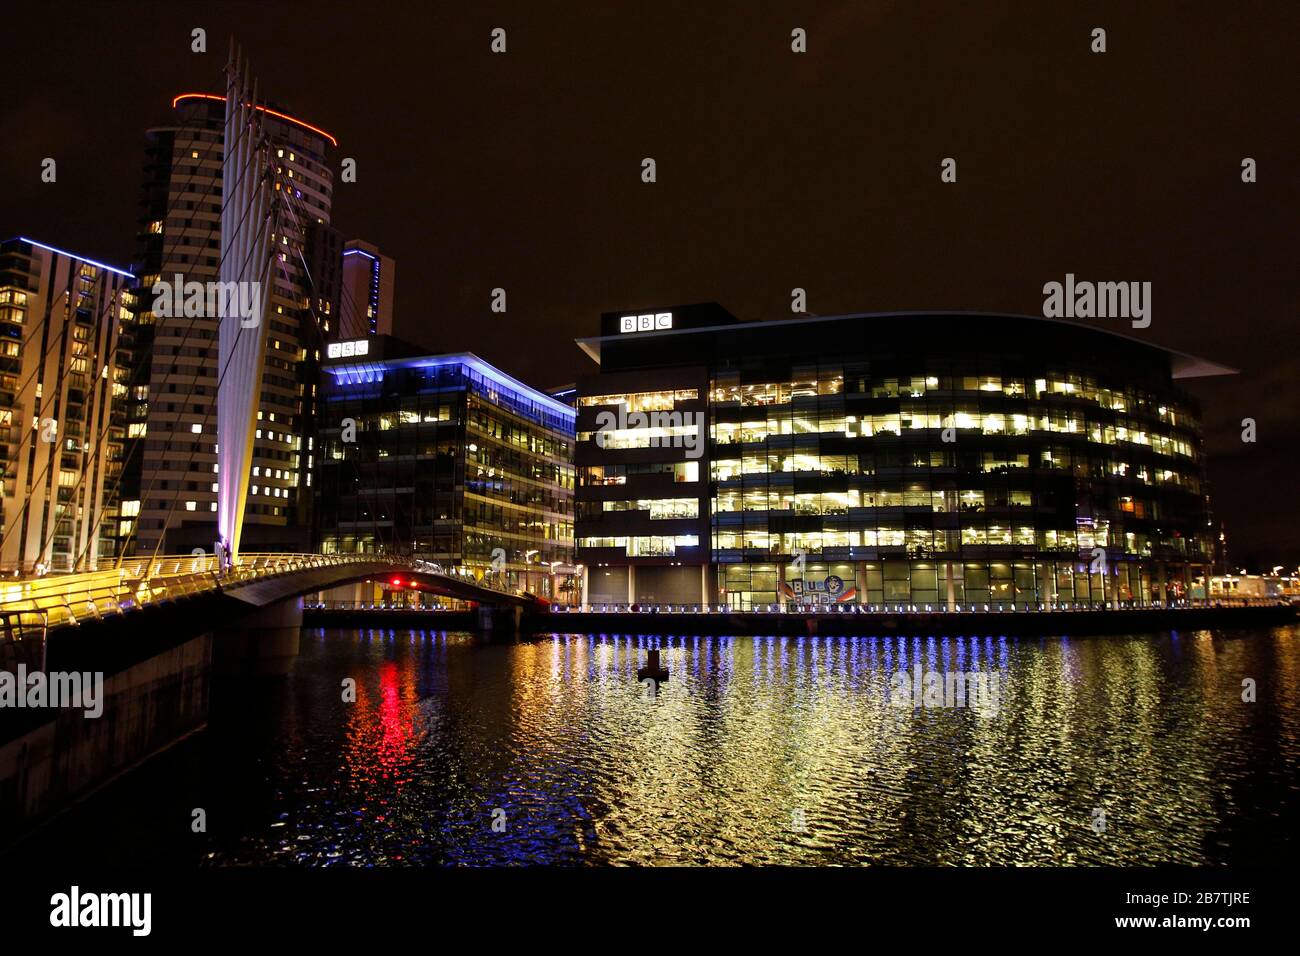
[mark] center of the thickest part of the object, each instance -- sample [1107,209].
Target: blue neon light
[358,252]
[73,255]
[374,296]
[366,372]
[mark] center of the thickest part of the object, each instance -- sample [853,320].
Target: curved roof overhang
[1182,364]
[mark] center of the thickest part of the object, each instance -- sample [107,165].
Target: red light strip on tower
[269,112]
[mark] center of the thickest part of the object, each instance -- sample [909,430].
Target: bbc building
[935,460]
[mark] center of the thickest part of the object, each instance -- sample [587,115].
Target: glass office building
[446,458]
[936,460]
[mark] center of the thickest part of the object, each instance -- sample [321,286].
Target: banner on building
[828,590]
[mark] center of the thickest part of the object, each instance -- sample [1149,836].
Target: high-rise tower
[62,395]
[369,277]
[173,474]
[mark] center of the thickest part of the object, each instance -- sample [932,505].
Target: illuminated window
[659,508]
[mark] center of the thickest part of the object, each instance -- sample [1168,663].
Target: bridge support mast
[247,221]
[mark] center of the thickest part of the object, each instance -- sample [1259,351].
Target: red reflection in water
[394,719]
[381,731]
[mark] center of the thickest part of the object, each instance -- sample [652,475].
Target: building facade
[171,474]
[368,284]
[935,460]
[445,458]
[353,284]
[62,405]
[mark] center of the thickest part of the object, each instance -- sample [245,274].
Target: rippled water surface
[757,750]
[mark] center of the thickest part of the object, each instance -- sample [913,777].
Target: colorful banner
[829,590]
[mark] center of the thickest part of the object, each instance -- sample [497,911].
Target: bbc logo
[646,323]
[347,349]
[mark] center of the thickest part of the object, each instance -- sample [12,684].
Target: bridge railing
[22,639]
[380,606]
[72,598]
[462,574]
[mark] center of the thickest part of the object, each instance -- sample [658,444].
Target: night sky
[775,169]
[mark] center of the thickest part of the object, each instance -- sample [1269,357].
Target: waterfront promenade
[843,620]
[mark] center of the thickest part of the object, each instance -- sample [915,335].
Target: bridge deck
[62,599]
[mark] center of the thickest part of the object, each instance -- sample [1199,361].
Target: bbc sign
[646,323]
[347,349]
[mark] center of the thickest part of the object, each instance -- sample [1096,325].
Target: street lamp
[527,571]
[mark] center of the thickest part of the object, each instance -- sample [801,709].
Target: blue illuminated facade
[444,457]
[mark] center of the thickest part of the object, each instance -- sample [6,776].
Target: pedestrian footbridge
[259,580]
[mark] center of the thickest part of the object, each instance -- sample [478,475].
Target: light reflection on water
[559,735]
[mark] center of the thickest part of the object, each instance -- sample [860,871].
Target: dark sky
[775,170]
